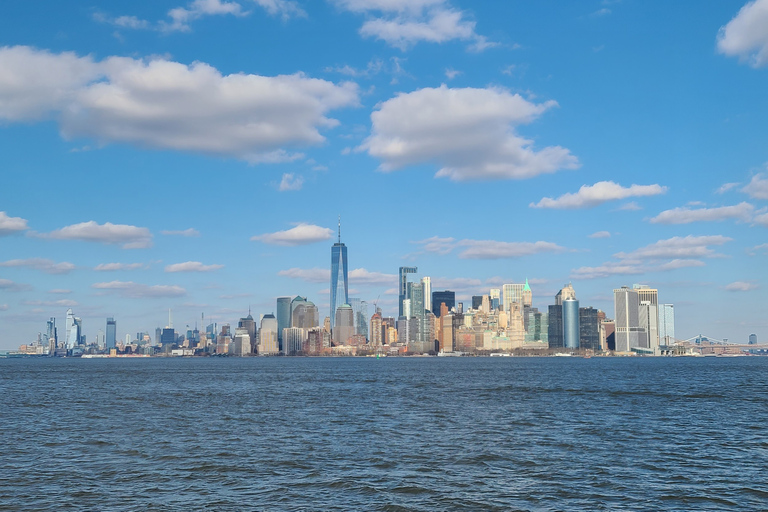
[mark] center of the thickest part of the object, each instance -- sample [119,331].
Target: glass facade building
[667,324]
[448,297]
[283,317]
[571,331]
[589,329]
[339,278]
[111,340]
[403,286]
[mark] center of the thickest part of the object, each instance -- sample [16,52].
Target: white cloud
[761,248]
[359,276]
[185,232]
[4,307]
[631,206]
[757,187]
[762,220]
[664,255]
[451,73]
[284,8]
[162,104]
[34,83]
[725,187]
[741,286]
[60,291]
[42,264]
[290,182]
[9,225]
[141,291]
[181,16]
[8,285]
[742,211]
[746,35]
[65,303]
[402,23]
[310,275]
[130,237]
[301,234]
[599,193]
[437,245]
[468,132]
[492,249]
[108,267]
[601,234]
[192,266]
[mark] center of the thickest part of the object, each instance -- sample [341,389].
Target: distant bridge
[710,345]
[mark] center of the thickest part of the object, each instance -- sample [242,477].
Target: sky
[196,156]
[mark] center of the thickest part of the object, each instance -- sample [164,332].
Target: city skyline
[195,155]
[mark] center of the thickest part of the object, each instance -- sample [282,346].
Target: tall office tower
[168,338]
[571,330]
[52,335]
[566,293]
[485,305]
[477,301]
[339,277]
[513,293]
[629,333]
[315,343]
[589,329]
[426,283]
[360,315]
[448,297]
[249,324]
[403,286]
[608,334]
[306,316]
[293,340]
[495,294]
[344,326]
[375,337]
[242,342]
[753,339]
[224,340]
[111,339]
[159,334]
[538,327]
[555,327]
[651,323]
[73,331]
[667,324]
[527,294]
[268,344]
[128,339]
[296,302]
[283,317]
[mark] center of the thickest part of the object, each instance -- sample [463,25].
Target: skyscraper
[571,330]
[589,329]
[512,293]
[339,277]
[283,317]
[268,336]
[448,297]
[667,324]
[344,327]
[649,313]
[426,283]
[403,286]
[629,333]
[111,333]
[73,330]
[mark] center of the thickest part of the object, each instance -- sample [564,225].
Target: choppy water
[389,434]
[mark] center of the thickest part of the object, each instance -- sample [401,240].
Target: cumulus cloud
[486,249]
[359,276]
[601,234]
[664,255]
[290,182]
[725,187]
[161,104]
[9,225]
[761,219]
[601,192]
[192,266]
[746,35]
[468,132]
[130,237]
[141,291]
[631,206]
[402,24]
[684,215]
[11,286]
[184,232]
[757,187]
[758,249]
[301,234]
[741,286]
[42,264]
[65,303]
[108,267]
[182,16]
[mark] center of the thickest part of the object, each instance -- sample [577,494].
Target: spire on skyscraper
[339,228]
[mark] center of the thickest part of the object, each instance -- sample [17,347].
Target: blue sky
[196,155]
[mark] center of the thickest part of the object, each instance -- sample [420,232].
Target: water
[388,434]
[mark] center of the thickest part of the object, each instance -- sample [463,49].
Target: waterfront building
[403,286]
[376,330]
[555,327]
[111,339]
[339,277]
[426,284]
[360,316]
[283,317]
[629,333]
[242,344]
[249,324]
[538,327]
[589,328]
[753,339]
[305,316]
[667,324]
[344,327]
[649,313]
[446,297]
[268,342]
[608,334]
[293,340]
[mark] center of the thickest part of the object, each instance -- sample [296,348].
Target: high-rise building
[52,334]
[555,326]
[242,342]
[168,338]
[73,330]
[426,283]
[629,333]
[268,344]
[477,302]
[571,330]
[293,340]
[753,339]
[667,324]
[344,327]
[305,316]
[111,333]
[495,294]
[360,315]
[439,297]
[403,286]
[249,324]
[339,277]
[283,316]
[375,336]
[589,329]
[513,293]
[649,313]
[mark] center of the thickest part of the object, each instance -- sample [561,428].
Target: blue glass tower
[339,282]
[571,323]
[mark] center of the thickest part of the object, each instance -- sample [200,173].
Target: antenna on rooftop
[339,228]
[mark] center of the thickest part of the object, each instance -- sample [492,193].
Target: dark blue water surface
[386,434]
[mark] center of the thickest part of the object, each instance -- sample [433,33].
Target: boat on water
[563,354]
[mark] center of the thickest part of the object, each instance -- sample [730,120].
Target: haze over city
[195,156]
